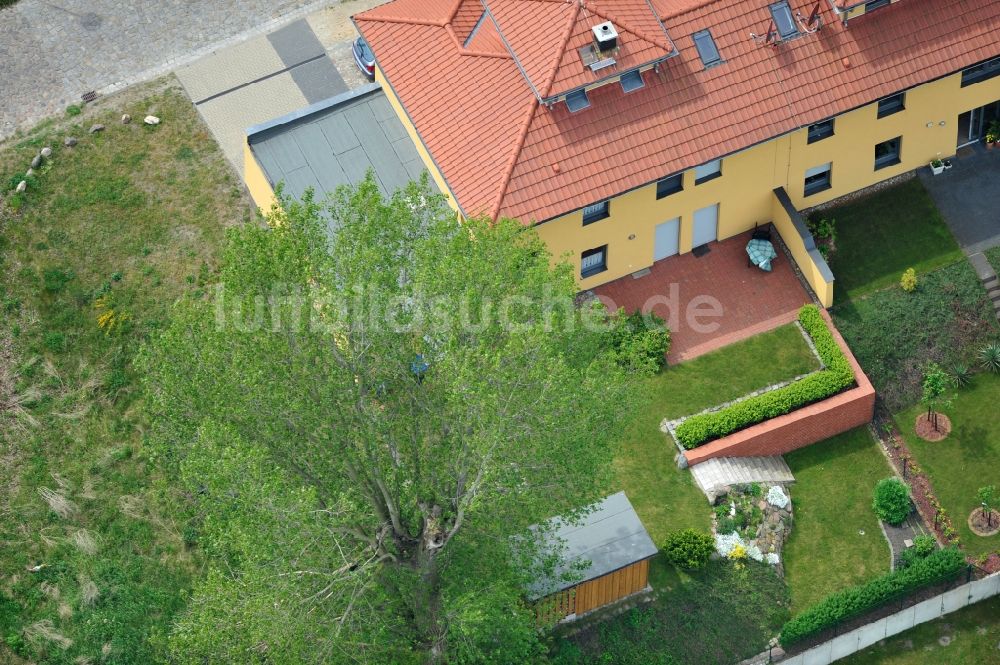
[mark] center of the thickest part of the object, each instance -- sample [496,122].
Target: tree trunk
[427,603]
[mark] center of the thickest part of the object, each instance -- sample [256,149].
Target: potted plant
[993,134]
[937,167]
[947,164]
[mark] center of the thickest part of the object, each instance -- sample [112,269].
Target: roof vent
[605,36]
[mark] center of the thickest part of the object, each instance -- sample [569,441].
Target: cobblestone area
[54,51]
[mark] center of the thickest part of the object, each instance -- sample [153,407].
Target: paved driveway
[967,196]
[53,51]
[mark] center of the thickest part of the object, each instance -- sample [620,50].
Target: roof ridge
[567,33]
[409,20]
[512,162]
[454,10]
[464,50]
[619,24]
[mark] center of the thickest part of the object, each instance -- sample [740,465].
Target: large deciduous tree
[371,407]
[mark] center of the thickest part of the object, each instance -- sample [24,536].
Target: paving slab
[229,68]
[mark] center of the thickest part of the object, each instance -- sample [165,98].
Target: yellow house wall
[257,184]
[744,191]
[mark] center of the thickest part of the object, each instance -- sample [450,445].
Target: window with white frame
[594,261]
[818,178]
[708,171]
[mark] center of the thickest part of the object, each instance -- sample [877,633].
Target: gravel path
[54,51]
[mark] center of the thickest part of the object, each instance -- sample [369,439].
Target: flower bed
[835,376]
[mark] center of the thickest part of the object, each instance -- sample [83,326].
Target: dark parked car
[364,58]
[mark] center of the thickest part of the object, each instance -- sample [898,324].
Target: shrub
[989,357]
[892,500]
[54,280]
[834,609]
[640,340]
[908,282]
[961,375]
[73,109]
[924,545]
[688,548]
[833,378]
[54,341]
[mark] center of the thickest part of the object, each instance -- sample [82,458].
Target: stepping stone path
[714,475]
[989,279]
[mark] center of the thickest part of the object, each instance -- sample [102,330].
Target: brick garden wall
[801,427]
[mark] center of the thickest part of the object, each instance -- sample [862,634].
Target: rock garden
[753,522]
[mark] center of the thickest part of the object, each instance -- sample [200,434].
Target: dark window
[707,172]
[875,4]
[891,105]
[632,81]
[670,185]
[577,101]
[783,19]
[594,261]
[887,153]
[820,131]
[596,211]
[707,50]
[981,72]
[817,179]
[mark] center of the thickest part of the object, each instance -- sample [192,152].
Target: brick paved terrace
[713,300]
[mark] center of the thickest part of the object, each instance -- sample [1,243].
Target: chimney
[605,37]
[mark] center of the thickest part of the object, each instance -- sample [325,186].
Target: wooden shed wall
[594,593]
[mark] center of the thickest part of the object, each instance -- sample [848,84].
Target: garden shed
[618,548]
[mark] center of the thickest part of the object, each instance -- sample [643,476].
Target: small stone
[126,119]
[944,640]
[777,653]
[151,120]
[21,186]
[29,172]
[69,142]
[36,161]
[96,128]
[46,152]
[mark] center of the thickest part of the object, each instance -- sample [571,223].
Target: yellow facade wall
[928,126]
[256,181]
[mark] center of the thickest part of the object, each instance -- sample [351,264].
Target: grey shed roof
[335,142]
[610,537]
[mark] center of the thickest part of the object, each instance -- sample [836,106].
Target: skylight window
[783,19]
[577,101]
[632,81]
[707,50]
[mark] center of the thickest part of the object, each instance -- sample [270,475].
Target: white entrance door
[667,240]
[706,225]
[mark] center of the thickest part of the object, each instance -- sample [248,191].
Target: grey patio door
[706,225]
[667,240]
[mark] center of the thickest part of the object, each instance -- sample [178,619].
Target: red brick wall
[801,427]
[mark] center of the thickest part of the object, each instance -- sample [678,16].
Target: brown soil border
[978,512]
[925,427]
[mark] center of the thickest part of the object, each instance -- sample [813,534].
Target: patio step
[713,475]
[989,279]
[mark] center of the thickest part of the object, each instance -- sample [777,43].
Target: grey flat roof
[610,537]
[335,142]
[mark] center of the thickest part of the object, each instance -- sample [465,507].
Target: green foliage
[835,377]
[987,497]
[715,614]
[936,383]
[891,500]
[825,231]
[74,110]
[56,279]
[54,341]
[961,375]
[640,340]
[894,334]
[989,357]
[936,567]
[923,546]
[908,282]
[688,548]
[412,485]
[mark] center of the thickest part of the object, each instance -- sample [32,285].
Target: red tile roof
[504,153]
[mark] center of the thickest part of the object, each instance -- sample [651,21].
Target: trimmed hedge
[836,608]
[833,378]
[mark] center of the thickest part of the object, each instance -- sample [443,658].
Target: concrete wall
[801,427]
[867,635]
[802,245]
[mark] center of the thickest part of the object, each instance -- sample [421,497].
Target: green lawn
[970,636]
[832,499]
[965,461]
[132,216]
[721,614]
[881,235]
[894,334]
[665,497]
